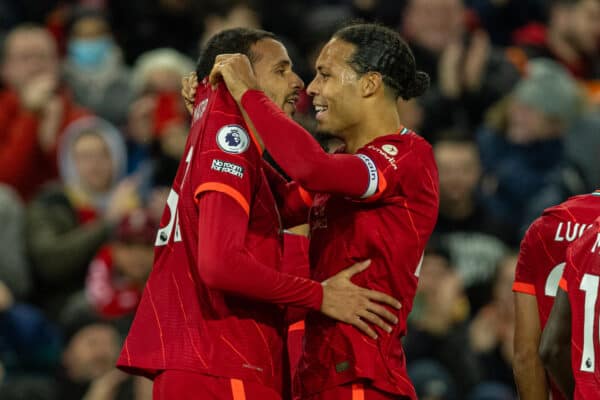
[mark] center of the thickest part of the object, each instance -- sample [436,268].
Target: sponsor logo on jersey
[390,149]
[228,168]
[233,139]
[385,155]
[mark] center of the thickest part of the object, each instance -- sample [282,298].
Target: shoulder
[393,150]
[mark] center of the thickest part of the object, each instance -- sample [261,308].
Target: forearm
[530,376]
[225,264]
[300,155]
[558,365]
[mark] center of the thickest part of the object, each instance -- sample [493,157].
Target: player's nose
[297,83]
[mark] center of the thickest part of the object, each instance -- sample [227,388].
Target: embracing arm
[224,262]
[528,369]
[301,156]
[555,347]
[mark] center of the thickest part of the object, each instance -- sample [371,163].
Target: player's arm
[224,263]
[555,347]
[528,369]
[301,156]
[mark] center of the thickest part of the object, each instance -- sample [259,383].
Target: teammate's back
[582,282]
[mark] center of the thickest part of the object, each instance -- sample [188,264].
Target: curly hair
[237,40]
[381,49]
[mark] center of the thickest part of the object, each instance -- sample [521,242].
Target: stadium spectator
[35,108]
[68,223]
[522,143]
[94,67]
[475,240]
[117,274]
[467,73]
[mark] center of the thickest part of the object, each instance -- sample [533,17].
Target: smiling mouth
[320,110]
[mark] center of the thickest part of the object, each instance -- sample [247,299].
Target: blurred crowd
[92,128]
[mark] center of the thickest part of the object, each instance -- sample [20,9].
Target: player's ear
[370,83]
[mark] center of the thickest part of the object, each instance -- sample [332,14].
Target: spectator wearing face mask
[94,66]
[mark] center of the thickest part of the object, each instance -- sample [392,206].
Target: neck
[561,47]
[379,120]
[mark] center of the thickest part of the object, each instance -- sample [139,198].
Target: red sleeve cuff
[563,284]
[316,295]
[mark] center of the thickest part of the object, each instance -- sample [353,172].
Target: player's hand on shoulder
[349,303]
[236,71]
[189,85]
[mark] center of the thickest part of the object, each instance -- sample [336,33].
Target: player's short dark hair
[237,40]
[381,49]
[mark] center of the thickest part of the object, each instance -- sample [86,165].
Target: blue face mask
[89,53]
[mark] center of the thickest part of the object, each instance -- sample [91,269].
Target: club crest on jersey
[233,139]
[390,149]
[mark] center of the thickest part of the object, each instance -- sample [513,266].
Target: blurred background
[92,128]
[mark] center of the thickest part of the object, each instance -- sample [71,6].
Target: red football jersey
[542,255]
[391,227]
[181,323]
[581,280]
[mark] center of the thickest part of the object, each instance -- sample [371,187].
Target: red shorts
[186,385]
[354,391]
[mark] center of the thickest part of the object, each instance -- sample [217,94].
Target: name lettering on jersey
[569,232]
[596,245]
[233,139]
[199,111]
[228,168]
[385,155]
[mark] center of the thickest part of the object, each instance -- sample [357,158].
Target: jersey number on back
[553,280]
[164,234]
[589,284]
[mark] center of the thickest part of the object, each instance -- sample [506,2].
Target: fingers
[382,312]
[215,74]
[356,268]
[374,319]
[364,327]
[382,298]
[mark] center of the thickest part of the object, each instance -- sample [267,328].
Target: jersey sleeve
[525,278]
[398,166]
[301,156]
[292,200]
[227,158]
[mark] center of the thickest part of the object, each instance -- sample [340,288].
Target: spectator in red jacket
[117,274]
[34,108]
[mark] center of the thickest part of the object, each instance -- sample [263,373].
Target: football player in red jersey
[380,199]
[570,344]
[540,266]
[210,324]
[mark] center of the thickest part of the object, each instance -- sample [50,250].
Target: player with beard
[380,199]
[210,322]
